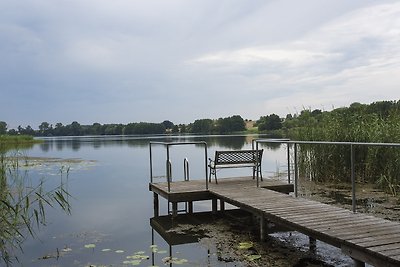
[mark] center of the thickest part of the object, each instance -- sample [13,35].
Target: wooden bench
[236,159]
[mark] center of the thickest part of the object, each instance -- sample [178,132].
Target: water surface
[111,205]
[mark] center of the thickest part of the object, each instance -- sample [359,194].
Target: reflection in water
[190,229]
[111,198]
[77,142]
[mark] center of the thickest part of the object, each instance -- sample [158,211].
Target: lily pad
[105,250]
[132,262]
[245,245]
[253,257]
[119,251]
[154,248]
[138,257]
[90,246]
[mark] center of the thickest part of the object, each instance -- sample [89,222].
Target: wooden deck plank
[380,242]
[370,235]
[371,239]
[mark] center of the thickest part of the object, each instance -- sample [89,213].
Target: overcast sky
[121,61]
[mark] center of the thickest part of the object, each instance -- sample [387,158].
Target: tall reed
[23,205]
[322,163]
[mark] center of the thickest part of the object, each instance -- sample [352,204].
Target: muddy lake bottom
[232,239]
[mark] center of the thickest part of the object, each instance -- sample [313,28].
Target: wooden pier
[365,238]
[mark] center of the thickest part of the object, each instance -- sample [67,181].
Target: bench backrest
[238,157]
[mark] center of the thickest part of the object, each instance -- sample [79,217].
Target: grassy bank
[15,142]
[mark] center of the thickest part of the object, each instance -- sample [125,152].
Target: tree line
[221,126]
[308,125]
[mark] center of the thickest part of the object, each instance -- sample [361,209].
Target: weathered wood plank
[361,236]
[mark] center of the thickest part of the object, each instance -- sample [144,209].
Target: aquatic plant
[358,123]
[22,205]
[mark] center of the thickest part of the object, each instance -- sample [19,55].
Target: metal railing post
[258,183]
[353,180]
[296,171]
[168,169]
[186,169]
[288,161]
[205,163]
[151,165]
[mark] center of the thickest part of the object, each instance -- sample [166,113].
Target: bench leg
[213,171]
[257,171]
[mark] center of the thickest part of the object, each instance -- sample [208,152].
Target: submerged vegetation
[22,202]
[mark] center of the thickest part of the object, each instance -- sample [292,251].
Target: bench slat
[236,159]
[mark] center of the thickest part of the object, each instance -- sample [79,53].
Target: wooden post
[156,205]
[222,205]
[262,228]
[313,244]
[358,263]
[214,205]
[190,204]
[174,209]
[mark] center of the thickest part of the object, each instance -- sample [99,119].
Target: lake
[111,205]
[110,202]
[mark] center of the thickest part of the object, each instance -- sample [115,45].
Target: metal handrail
[289,142]
[186,176]
[167,145]
[168,169]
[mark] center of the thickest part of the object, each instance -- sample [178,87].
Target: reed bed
[332,163]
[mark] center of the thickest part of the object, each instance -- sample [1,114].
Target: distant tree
[182,128]
[59,129]
[3,127]
[74,129]
[113,129]
[202,126]
[144,128]
[45,129]
[230,124]
[96,129]
[316,112]
[237,123]
[168,124]
[175,129]
[269,123]
[26,131]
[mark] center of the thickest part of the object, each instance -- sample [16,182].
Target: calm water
[111,204]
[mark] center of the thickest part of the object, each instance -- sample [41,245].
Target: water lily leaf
[137,256]
[106,250]
[132,262]
[179,261]
[161,251]
[245,245]
[140,252]
[66,249]
[90,246]
[119,251]
[253,257]
[154,248]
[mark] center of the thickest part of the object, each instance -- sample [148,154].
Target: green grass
[16,142]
